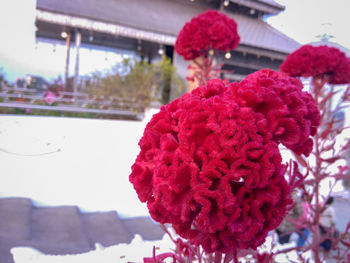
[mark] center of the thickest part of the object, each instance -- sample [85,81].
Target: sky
[302,20]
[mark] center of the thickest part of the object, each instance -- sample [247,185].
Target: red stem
[317,85]
[217,257]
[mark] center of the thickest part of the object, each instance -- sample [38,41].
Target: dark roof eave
[132,32]
[273,54]
[263,6]
[87,23]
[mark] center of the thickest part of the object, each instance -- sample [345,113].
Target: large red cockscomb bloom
[292,114]
[209,30]
[210,165]
[318,61]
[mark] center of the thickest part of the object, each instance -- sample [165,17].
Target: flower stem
[217,257]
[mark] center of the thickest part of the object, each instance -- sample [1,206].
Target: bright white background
[304,20]
[69,161]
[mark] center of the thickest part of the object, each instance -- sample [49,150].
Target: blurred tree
[135,81]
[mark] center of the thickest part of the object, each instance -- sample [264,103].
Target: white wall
[91,168]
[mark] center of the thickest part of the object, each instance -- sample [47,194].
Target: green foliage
[136,82]
[168,72]
[2,75]
[2,78]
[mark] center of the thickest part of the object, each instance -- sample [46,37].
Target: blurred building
[148,29]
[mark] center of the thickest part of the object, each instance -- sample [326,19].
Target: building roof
[272,3]
[254,32]
[266,6]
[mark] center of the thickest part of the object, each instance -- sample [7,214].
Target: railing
[25,98]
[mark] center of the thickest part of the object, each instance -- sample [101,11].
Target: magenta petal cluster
[210,164]
[318,61]
[209,30]
[291,113]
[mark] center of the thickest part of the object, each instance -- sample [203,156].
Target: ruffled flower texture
[210,165]
[318,61]
[209,30]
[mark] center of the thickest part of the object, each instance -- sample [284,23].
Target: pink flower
[321,61]
[50,97]
[209,30]
[210,165]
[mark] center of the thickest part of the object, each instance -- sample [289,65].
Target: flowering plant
[209,30]
[210,164]
[319,62]
[325,65]
[205,33]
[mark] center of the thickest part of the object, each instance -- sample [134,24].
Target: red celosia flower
[320,61]
[209,30]
[291,113]
[210,165]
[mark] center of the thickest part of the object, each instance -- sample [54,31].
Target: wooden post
[66,76]
[76,71]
